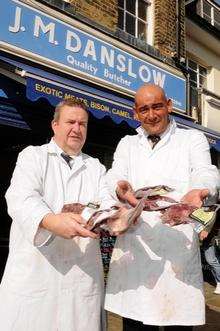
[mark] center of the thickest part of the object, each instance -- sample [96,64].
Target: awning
[9,114]
[54,88]
[98,105]
[15,119]
[42,84]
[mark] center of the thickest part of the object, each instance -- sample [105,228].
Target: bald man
[155,276]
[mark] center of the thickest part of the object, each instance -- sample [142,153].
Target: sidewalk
[212,310]
[212,313]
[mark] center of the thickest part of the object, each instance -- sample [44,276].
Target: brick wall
[165,27]
[104,12]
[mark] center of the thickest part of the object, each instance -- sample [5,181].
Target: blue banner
[98,106]
[25,28]
[101,107]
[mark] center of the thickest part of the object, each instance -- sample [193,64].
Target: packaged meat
[154,197]
[178,214]
[152,190]
[116,219]
[201,218]
[173,212]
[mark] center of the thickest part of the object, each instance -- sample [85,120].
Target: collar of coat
[142,133]
[171,127]
[53,148]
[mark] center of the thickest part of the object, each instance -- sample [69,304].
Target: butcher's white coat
[155,273]
[57,286]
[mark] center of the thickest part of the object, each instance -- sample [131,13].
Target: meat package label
[204,215]
[161,191]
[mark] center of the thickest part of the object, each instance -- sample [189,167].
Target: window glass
[121,3]
[142,10]
[217,18]
[198,79]
[193,97]
[194,84]
[142,29]
[130,6]
[192,64]
[193,75]
[202,71]
[130,24]
[207,8]
[132,17]
[202,81]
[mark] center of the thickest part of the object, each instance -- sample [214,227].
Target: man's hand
[66,225]
[203,235]
[125,193]
[119,223]
[195,197]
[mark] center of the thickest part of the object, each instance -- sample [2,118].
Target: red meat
[178,214]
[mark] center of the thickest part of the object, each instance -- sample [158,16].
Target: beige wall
[214,79]
[202,54]
[205,49]
[211,113]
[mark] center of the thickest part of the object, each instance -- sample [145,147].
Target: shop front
[47,57]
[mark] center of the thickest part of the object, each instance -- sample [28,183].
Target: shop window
[132,17]
[198,80]
[210,12]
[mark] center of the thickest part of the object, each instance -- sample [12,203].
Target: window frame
[214,9]
[198,86]
[137,19]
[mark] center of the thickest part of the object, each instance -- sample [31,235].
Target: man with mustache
[155,274]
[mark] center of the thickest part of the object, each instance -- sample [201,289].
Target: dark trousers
[131,325]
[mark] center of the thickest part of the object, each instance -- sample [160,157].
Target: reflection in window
[132,17]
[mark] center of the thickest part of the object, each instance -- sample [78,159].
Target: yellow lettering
[122,113]
[38,87]
[73,97]
[99,106]
[69,96]
[48,90]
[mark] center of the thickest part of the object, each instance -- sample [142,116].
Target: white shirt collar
[172,124]
[59,150]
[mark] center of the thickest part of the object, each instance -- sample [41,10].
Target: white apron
[155,275]
[57,286]
[155,272]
